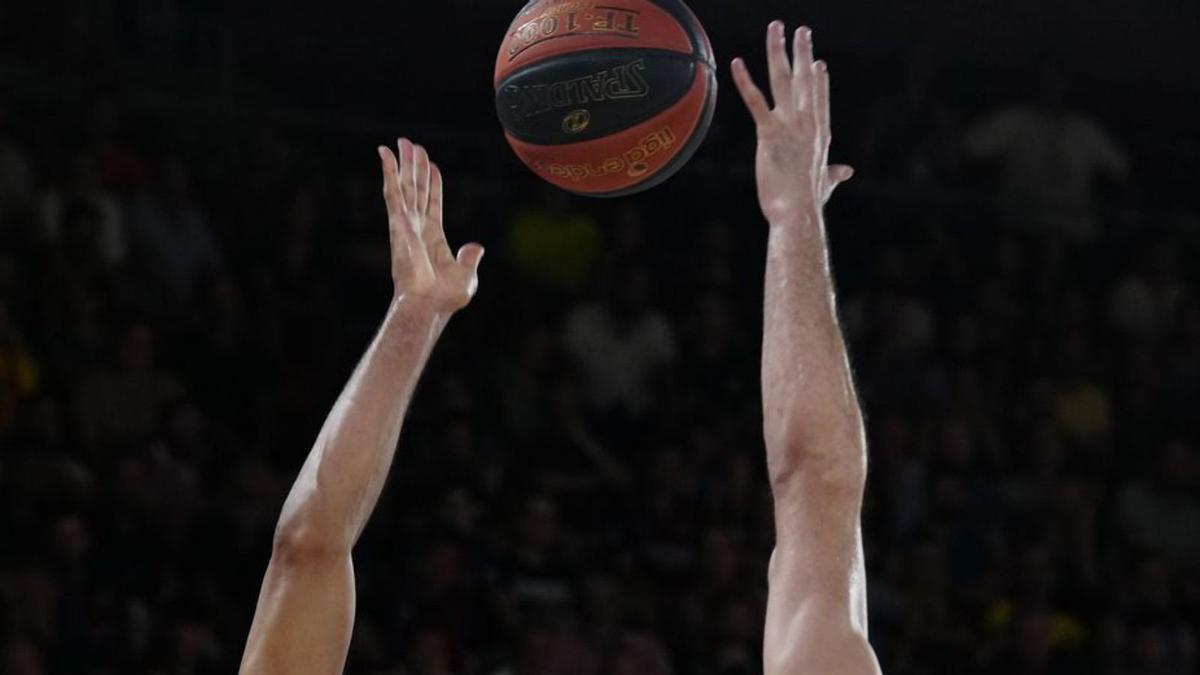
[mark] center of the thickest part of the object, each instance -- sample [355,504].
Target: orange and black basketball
[605,97]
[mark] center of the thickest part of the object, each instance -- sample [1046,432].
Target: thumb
[840,173]
[470,255]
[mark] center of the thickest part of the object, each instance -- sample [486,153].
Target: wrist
[419,309]
[799,215]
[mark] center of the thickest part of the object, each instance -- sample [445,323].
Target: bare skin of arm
[813,428]
[305,612]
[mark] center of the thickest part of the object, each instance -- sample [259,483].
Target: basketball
[605,98]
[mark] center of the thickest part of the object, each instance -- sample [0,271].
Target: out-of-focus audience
[1051,158]
[580,485]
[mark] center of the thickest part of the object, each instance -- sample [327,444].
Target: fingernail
[808,34]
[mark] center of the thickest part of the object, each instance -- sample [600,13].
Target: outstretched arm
[306,607]
[816,454]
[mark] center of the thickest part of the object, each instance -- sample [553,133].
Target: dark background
[193,255]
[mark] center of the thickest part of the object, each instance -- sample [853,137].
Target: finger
[421,178]
[751,94]
[469,256]
[777,64]
[802,73]
[821,103]
[435,195]
[434,235]
[403,191]
[391,187]
[404,153]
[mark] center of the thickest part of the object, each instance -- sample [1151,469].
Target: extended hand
[423,268]
[793,138]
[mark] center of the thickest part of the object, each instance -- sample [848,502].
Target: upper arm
[817,608]
[305,615]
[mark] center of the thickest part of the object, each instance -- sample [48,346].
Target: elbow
[834,462]
[824,652]
[300,544]
[821,635]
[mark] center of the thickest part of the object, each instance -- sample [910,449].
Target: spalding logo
[576,121]
[625,81]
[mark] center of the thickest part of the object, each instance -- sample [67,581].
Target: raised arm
[816,613]
[305,610]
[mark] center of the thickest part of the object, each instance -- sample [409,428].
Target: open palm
[793,136]
[423,268]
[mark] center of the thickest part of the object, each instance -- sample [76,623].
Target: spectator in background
[18,372]
[716,345]
[193,649]
[177,243]
[1150,645]
[429,655]
[1049,158]
[912,140]
[532,654]
[636,654]
[893,317]
[20,656]
[125,401]
[16,174]
[622,345]
[85,218]
[1082,403]
[539,579]
[1160,512]
[120,168]
[1149,295]
[528,379]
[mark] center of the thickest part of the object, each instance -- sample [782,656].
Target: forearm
[815,455]
[341,480]
[811,411]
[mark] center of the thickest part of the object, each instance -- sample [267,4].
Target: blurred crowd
[580,486]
